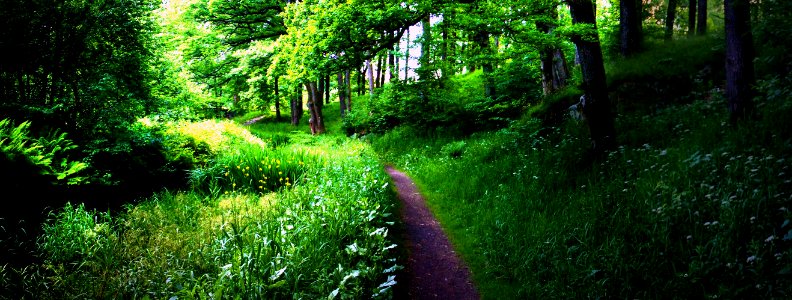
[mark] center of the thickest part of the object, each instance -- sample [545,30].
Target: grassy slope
[689,206]
[325,235]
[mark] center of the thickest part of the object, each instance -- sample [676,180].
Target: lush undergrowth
[305,217]
[687,207]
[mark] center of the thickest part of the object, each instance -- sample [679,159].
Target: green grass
[687,207]
[320,227]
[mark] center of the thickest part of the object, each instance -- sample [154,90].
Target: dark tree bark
[327,90]
[393,66]
[596,107]
[383,69]
[378,74]
[360,81]
[481,38]
[348,89]
[320,87]
[670,17]
[692,17]
[277,101]
[631,28]
[315,108]
[702,17]
[296,106]
[341,94]
[739,58]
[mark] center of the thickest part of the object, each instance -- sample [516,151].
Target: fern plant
[46,153]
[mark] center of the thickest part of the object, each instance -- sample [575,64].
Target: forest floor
[433,270]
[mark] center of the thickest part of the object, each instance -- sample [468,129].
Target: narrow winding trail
[433,270]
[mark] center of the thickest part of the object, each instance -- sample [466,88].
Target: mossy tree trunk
[596,107]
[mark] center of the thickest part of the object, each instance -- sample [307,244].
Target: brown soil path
[254,120]
[433,270]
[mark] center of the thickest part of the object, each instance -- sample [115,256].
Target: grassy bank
[288,215]
[688,206]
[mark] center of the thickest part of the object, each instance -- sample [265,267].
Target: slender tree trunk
[702,17]
[370,76]
[424,71]
[383,69]
[739,58]
[596,107]
[392,66]
[327,89]
[320,89]
[407,56]
[379,69]
[277,101]
[670,17]
[341,94]
[444,67]
[360,81]
[348,90]
[692,17]
[630,27]
[296,106]
[482,40]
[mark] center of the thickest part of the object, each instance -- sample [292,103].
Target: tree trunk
[360,81]
[379,70]
[370,76]
[670,17]
[392,66]
[348,90]
[407,56]
[383,69]
[739,58]
[277,101]
[444,67]
[482,40]
[702,17]
[341,94]
[296,106]
[691,17]
[314,104]
[424,71]
[596,106]
[327,90]
[630,27]
[552,61]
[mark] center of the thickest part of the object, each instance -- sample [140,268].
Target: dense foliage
[143,153]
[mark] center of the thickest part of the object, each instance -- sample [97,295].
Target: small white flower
[750,259]
[769,238]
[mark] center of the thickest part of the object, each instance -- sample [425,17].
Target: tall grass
[318,225]
[687,207]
